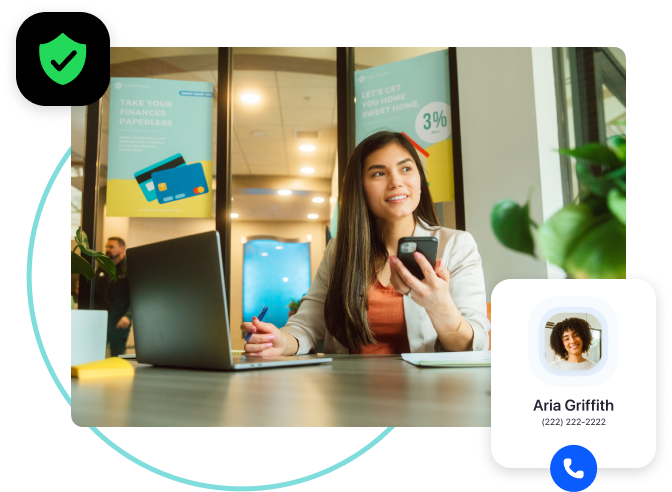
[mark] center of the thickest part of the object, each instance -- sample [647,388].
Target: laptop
[180,316]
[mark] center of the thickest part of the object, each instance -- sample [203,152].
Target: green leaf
[559,234]
[617,145]
[82,241]
[600,253]
[79,266]
[621,184]
[108,265]
[92,252]
[598,206]
[78,235]
[616,173]
[599,185]
[594,152]
[81,238]
[512,226]
[616,202]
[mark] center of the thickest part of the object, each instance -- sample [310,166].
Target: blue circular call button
[573,468]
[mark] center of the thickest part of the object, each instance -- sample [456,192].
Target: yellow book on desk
[106,368]
[449,359]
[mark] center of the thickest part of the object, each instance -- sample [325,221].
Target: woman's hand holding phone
[432,293]
[266,339]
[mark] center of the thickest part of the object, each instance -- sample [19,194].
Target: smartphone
[427,245]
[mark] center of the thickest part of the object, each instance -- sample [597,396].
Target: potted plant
[294,306]
[88,338]
[587,237]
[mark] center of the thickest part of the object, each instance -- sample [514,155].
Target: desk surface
[353,390]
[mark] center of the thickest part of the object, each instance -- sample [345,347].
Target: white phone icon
[568,463]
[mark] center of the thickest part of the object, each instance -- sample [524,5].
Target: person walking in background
[113,297]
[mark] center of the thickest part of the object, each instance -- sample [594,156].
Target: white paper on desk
[449,359]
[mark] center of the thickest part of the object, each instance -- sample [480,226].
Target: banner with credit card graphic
[160,148]
[412,96]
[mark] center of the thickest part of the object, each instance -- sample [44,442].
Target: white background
[519,378]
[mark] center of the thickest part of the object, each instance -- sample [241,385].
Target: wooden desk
[353,390]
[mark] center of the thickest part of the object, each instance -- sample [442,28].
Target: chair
[490,332]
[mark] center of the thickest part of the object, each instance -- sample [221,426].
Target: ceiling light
[278,247]
[258,134]
[285,279]
[307,148]
[234,216]
[250,98]
[312,216]
[264,254]
[318,199]
[307,170]
[284,192]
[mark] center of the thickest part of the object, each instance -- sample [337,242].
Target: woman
[363,299]
[570,338]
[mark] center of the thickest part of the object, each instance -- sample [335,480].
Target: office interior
[283,119]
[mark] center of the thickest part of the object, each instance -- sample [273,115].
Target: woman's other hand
[432,293]
[266,339]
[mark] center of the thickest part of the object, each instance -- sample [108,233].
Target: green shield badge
[62,59]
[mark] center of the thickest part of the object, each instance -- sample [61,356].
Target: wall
[500,151]
[313,232]
[548,140]
[115,227]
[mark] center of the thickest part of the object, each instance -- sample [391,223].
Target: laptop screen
[178,300]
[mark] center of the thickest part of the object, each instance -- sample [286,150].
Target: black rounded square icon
[62,58]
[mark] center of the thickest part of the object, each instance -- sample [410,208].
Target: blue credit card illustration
[144,176]
[180,183]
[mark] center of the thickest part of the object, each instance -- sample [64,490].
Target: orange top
[386,317]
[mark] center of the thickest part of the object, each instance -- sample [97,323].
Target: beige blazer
[467,288]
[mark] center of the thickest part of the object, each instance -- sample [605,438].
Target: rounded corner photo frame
[557,377]
[605,341]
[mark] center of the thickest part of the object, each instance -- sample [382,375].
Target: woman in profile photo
[570,339]
[362,299]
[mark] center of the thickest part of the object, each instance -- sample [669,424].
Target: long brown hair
[359,245]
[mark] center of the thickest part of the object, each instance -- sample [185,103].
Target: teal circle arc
[108,441]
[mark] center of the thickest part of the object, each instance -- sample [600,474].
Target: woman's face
[572,342]
[391,182]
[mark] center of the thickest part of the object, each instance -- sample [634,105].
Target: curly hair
[579,326]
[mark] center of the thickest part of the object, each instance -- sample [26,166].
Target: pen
[260,318]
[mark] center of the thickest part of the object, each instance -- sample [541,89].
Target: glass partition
[277,272]
[137,127]
[283,173]
[429,119]
[77,138]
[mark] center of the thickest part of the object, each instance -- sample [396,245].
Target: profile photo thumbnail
[573,341]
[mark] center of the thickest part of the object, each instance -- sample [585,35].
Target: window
[590,87]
